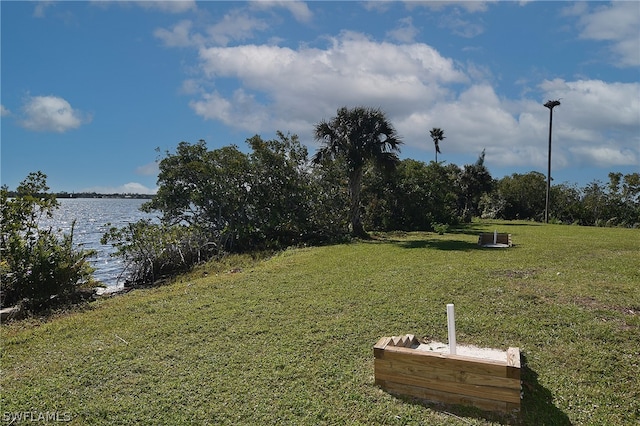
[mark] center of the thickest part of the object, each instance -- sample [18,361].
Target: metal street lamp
[550,105]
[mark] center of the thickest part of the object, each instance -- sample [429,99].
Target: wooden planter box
[490,239]
[402,367]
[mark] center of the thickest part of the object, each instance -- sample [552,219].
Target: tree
[523,196]
[280,191]
[475,180]
[566,204]
[360,136]
[594,201]
[437,135]
[206,189]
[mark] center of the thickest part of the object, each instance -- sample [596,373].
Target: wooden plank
[409,340]
[458,362]
[513,363]
[485,392]
[450,398]
[382,343]
[429,372]
[378,349]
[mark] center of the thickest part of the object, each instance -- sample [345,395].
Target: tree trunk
[355,188]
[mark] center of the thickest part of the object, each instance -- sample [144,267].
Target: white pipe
[451,323]
[495,237]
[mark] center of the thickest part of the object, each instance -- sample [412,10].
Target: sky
[94,93]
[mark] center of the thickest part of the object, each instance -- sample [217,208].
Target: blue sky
[89,90]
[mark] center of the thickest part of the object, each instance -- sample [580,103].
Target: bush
[38,268]
[440,228]
[153,251]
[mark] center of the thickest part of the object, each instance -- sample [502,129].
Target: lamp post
[550,105]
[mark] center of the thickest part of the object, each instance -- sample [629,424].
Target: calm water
[94,216]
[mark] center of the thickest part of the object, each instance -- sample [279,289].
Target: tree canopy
[437,135]
[360,137]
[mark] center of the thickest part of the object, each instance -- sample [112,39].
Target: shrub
[152,251]
[440,228]
[39,268]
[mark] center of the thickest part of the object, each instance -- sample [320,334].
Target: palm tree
[437,135]
[359,136]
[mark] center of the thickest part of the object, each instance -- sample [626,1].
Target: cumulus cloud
[136,188]
[596,124]
[292,89]
[51,114]
[605,156]
[616,23]
[613,105]
[282,85]
[127,188]
[241,110]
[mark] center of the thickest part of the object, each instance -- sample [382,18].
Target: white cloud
[380,6]
[178,36]
[457,17]
[40,10]
[136,188]
[298,9]
[190,86]
[305,84]
[240,111]
[51,114]
[405,32]
[150,169]
[616,23]
[292,89]
[169,6]
[595,104]
[461,27]
[468,6]
[127,188]
[605,156]
[4,111]
[236,25]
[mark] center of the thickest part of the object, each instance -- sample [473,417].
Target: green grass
[288,340]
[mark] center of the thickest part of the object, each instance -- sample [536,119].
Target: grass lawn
[288,340]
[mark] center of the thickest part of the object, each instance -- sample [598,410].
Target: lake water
[94,216]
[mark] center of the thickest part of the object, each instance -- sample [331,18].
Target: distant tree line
[64,194]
